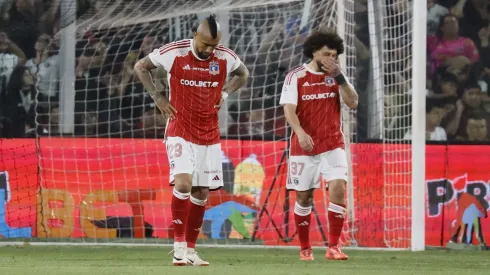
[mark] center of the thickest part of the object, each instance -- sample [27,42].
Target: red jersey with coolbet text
[195,88]
[317,98]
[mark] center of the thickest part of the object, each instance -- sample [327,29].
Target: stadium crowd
[458,49]
[110,101]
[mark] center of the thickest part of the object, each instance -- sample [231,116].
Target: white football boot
[193,259]
[179,254]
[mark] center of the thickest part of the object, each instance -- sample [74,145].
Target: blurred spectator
[250,123]
[149,43]
[21,99]
[53,128]
[83,6]
[434,12]
[151,125]
[6,126]
[10,57]
[362,70]
[447,45]
[89,123]
[460,57]
[279,51]
[45,66]
[90,93]
[445,88]
[433,130]
[255,123]
[472,15]
[110,101]
[51,14]
[125,92]
[460,67]
[468,104]
[476,129]
[396,112]
[23,22]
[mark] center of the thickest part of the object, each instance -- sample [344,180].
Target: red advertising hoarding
[88,184]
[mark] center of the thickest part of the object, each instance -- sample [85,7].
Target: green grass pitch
[46,260]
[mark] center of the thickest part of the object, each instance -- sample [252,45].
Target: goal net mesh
[396,69]
[107,178]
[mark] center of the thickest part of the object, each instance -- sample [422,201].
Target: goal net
[103,170]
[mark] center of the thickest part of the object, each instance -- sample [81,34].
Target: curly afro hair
[319,39]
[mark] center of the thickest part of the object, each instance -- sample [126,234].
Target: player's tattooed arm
[347,91]
[240,76]
[143,69]
[349,95]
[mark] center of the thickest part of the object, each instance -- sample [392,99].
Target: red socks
[180,211]
[194,222]
[336,214]
[302,217]
[187,217]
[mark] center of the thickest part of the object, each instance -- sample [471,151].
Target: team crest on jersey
[329,81]
[214,68]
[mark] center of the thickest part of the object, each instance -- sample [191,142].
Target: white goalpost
[102,168]
[398,42]
[419,42]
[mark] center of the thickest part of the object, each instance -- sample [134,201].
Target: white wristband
[224,95]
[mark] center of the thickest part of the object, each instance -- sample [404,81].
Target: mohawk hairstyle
[213,26]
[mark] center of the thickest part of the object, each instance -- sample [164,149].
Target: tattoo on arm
[240,76]
[349,95]
[143,69]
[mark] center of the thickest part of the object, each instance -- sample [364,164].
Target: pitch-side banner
[118,188]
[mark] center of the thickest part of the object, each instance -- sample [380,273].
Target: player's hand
[306,142]
[168,111]
[221,101]
[331,66]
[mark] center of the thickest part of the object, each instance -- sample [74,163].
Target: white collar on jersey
[311,71]
[194,51]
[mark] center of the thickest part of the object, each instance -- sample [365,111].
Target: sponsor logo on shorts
[216,177]
[172,165]
[212,172]
[296,181]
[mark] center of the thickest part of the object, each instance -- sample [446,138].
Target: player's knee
[305,202]
[304,198]
[336,188]
[183,183]
[200,193]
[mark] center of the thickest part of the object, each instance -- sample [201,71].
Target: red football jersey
[317,98]
[195,88]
